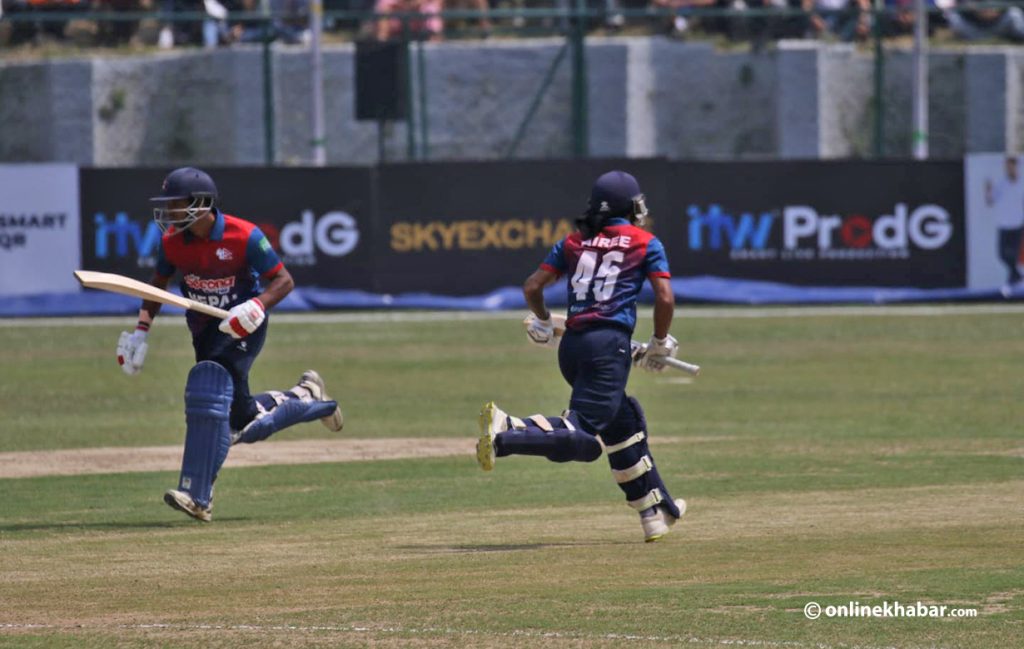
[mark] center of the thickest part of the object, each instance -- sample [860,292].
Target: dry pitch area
[826,458]
[86,461]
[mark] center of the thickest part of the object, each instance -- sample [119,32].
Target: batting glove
[540,331]
[658,349]
[244,319]
[131,351]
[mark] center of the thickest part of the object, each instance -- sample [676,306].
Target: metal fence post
[421,78]
[580,127]
[879,81]
[268,96]
[410,120]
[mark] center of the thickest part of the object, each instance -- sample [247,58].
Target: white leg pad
[632,473]
[565,420]
[615,448]
[541,422]
[652,498]
[278,398]
[516,422]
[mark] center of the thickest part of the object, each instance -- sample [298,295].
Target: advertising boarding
[470,228]
[818,223]
[39,249]
[994,190]
[318,220]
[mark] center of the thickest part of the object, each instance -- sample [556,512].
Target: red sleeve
[274,270]
[551,269]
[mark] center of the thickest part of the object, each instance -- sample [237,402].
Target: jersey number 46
[603,281]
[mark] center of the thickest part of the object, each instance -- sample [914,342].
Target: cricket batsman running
[605,263]
[222,260]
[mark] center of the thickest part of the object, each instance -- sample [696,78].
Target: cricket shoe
[183,502]
[493,420]
[656,521]
[313,384]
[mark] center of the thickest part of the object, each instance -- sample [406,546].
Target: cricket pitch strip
[83,461]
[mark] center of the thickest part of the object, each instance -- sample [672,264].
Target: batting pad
[631,462]
[288,413]
[208,394]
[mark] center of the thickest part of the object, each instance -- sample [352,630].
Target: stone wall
[646,97]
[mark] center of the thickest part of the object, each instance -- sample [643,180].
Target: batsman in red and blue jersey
[606,273]
[228,263]
[605,263]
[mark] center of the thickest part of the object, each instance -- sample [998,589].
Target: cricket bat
[127,286]
[558,321]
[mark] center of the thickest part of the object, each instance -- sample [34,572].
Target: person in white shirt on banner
[1005,196]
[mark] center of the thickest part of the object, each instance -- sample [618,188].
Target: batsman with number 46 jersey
[223,261]
[605,263]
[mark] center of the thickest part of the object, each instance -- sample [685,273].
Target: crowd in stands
[222,22]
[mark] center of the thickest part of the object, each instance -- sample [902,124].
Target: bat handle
[207,309]
[689,368]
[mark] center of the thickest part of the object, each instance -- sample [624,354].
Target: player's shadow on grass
[500,547]
[111,525]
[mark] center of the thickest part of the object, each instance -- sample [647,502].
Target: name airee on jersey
[222,270]
[606,272]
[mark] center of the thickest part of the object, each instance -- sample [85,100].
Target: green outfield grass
[826,459]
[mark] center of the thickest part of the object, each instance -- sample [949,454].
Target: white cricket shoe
[183,502]
[656,521]
[493,420]
[313,384]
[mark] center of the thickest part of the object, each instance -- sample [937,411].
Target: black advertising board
[469,228]
[318,220]
[850,223]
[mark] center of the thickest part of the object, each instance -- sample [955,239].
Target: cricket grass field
[828,457]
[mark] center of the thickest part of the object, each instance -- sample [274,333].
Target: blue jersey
[605,273]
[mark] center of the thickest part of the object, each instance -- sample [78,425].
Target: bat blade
[115,283]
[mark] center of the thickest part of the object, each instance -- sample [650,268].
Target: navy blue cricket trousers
[596,363]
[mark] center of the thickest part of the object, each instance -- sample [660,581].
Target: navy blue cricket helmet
[615,194]
[184,184]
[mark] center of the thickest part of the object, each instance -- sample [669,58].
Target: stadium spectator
[683,12]
[289,23]
[118,32]
[26,31]
[971,24]
[764,26]
[846,19]
[898,19]
[249,32]
[210,31]
[291,20]
[469,5]
[427,27]
[613,17]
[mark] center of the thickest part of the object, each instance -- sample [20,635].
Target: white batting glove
[244,319]
[657,349]
[131,351]
[540,331]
